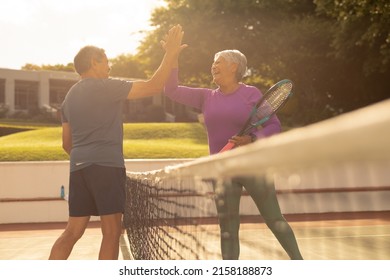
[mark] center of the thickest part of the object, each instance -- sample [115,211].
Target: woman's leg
[264,195]
[227,201]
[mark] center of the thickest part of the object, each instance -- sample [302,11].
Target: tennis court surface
[341,236]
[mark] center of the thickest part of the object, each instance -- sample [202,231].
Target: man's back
[93,108]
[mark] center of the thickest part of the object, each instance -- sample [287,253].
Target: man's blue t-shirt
[93,109]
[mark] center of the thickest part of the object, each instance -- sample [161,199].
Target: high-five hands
[172,42]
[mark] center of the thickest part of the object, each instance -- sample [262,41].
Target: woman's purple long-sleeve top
[224,115]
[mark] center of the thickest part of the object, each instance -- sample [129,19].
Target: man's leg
[112,230]
[74,231]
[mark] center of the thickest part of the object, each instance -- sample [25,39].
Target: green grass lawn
[141,141]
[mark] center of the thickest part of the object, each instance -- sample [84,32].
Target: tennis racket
[272,101]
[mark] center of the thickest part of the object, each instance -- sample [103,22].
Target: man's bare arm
[66,138]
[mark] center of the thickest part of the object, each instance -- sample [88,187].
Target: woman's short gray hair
[234,56]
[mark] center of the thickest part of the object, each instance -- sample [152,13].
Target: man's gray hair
[82,61]
[234,56]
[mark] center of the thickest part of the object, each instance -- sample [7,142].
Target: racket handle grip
[227,147]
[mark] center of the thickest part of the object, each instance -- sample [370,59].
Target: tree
[279,41]
[338,63]
[126,66]
[361,45]
[57,67]
[363,31]
[337,53]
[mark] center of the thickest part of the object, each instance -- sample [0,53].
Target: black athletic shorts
[97,190]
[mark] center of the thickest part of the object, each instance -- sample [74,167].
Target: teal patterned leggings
[227,200]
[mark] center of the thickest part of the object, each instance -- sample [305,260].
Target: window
[26,95]
[58,91]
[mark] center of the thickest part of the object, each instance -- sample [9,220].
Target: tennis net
[336,166]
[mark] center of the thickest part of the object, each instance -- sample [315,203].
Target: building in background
[34,92]
[30,91]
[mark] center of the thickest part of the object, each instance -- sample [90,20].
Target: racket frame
[248,125]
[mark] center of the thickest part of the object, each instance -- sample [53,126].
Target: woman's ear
[234,67]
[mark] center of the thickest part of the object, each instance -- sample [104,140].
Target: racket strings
[273,101]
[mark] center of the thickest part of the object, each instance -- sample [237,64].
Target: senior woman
[225,111]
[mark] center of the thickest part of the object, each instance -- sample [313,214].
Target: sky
[52,31]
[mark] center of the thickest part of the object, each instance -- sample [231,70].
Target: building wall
[30,191]
[14,78]
[25,91]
